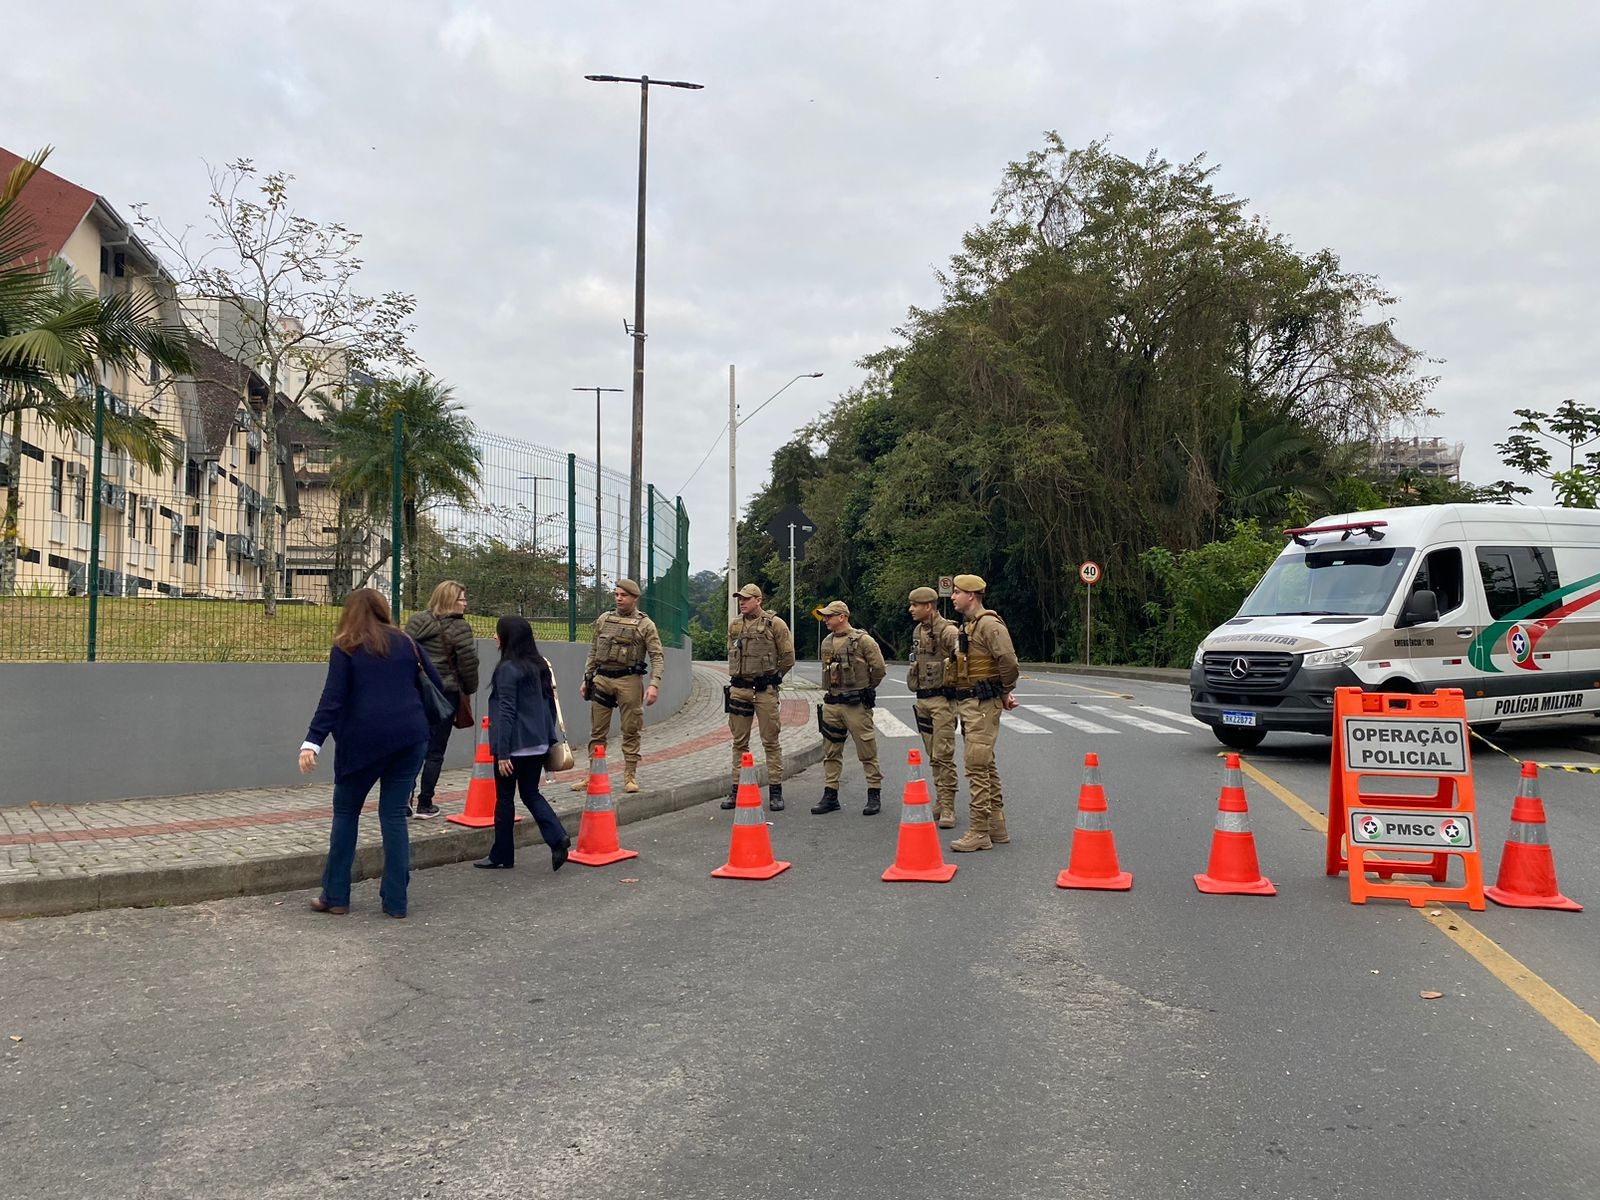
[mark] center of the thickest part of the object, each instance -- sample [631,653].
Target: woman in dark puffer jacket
[443,632]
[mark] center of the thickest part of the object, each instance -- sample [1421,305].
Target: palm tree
[437,456]
[55,332]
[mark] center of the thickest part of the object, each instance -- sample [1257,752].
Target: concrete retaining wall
[75,732]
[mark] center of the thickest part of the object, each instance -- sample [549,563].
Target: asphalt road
[645,1030]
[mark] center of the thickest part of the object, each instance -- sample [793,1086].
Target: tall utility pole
[599,481]
[636,473]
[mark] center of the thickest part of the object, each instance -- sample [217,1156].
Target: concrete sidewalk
[179,850]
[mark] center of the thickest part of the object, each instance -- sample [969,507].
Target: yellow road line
[1570,1020]
[1082,687]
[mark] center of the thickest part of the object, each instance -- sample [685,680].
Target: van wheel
[1237,737]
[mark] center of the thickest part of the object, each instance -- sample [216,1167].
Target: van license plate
[1238,718]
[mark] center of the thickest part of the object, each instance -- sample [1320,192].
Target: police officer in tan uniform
[934,640]
[613,677]
[852,669]
[981,676]
[760,654]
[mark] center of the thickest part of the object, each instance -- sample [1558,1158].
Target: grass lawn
[56,629]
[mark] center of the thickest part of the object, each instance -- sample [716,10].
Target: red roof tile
[56,205]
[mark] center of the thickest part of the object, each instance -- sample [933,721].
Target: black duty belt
[619,672]
[984,689]
[759,683]
[932,693]
[959,693]
[843,698]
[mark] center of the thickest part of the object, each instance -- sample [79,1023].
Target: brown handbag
[559,756]
[463,719]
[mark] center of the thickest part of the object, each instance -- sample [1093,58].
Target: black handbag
[436,705]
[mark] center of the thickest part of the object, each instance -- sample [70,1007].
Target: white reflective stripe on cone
[916,814]
[1529,833]
[1232,822]
[598,803]
[748,814]
[1094,822]
[483,770]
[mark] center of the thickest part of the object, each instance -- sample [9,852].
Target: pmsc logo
[1520,641]
[1370,829]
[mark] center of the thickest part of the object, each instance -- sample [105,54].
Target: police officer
[852,669]
[933,641]
[981,676]
[613,677]
[760,654]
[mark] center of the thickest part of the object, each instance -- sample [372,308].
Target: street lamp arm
[779,392]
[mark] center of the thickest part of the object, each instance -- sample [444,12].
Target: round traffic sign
[1089,572]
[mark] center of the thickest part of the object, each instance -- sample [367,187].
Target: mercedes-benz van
[1500,601]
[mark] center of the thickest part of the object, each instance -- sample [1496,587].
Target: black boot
[873,805]
[775,797]
[733,797]
[829,802]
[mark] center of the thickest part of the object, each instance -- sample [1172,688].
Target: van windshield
[1348,581]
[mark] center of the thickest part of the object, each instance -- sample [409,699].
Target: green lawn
[56,629]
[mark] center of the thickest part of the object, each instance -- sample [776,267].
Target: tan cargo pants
[760,708]
[628,693]
[936,722]
[854,721]
[980,727]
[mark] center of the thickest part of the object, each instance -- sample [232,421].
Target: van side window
[1442,574]
[1514,576]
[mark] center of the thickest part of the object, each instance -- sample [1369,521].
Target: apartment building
[196,529]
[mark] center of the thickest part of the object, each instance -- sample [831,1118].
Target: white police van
[1500,601]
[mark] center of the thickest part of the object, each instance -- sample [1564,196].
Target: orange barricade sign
[1378,835]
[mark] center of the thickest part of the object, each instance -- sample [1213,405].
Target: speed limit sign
[1089,572]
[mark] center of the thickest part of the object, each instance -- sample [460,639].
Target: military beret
[629,586]
[971,583]
[750,590]
[836,608]
[924,595]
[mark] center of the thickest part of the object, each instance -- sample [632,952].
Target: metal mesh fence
[173,565]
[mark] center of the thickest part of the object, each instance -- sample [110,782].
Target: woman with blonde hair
[443,631]
[372,706]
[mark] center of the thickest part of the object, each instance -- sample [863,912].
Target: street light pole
[599,482]
[636,474]
[733,490]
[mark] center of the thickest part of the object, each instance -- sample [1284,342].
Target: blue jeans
[395,776]
[526,780]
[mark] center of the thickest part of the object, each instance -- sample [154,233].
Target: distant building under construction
[1429,456]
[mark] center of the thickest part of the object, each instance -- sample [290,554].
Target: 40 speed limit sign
[1090,572]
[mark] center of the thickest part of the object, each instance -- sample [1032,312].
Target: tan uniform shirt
[931,644]
[759,645]
[851,661]
[987,636]
[621,642]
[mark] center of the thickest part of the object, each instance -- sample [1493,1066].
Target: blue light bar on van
[1370,528]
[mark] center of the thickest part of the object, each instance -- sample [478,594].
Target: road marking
[1012,721]
[890,725]
[1082,687]
[1183,719]
[1130,719]
[1076,722]
[1568,1019]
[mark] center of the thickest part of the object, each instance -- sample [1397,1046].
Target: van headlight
[1342,657]
[1199,653]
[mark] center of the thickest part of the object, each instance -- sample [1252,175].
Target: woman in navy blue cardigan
[522,728]
[371,705]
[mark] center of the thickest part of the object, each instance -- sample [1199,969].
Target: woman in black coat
[442,631]
[522,728]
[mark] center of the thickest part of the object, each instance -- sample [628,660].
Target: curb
[1160,674]
[168,886]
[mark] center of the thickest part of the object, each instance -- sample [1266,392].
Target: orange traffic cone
[750,848]
[1092,862]
[479,812]
[1527,868]
[1233,870]
[918,855]
[597,832]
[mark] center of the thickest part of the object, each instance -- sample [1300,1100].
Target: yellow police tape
[1570,768]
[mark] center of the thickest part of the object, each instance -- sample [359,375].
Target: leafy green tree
[1571,426]
[1203,587]
[439,461]
[57,332]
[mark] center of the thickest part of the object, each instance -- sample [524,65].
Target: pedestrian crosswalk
[1045,719]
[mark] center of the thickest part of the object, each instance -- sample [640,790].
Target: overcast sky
[801,202]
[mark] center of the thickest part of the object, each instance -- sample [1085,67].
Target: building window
[150,526]
[252,456]
[155,373]
[80,496]
[172,554]
[57,469]
[191,544]
[133,516]
[105,261]
[191,479]
[119,264]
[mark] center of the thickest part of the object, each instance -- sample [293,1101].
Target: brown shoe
[320,904]
[581,785]
[630,784]
[947,818]
[972,840]
[997,829]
